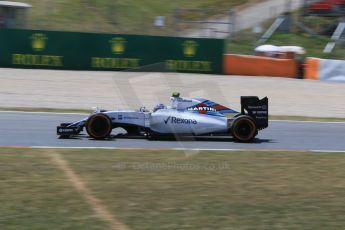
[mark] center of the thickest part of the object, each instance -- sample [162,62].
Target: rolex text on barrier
[90,51]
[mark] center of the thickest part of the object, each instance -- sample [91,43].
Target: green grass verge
[36,195]
[273,117]
[125,16]
[246,43]
[137,17]
[174,190]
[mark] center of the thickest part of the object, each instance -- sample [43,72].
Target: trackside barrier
[325,69]
[90,51]
[311,70]
[259,66]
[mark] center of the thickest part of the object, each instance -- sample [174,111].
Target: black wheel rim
[99,127]
[244,129]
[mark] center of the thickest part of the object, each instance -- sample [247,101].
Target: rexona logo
[175,120]
[118,45]
[38,41]
[189,48]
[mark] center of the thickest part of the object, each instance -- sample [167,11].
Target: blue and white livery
[183,117]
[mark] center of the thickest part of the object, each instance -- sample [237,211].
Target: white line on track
[188,149]
[326,151]
[55,113]
[85,114]
[318,122]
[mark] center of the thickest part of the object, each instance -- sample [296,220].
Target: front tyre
[243,128]
[99,126]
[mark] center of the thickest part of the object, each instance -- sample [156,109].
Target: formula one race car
[184,117]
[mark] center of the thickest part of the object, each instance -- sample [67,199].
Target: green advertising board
[89,51]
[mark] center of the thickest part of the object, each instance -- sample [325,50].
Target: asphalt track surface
[39,130]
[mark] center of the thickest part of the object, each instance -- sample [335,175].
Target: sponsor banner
[89,51]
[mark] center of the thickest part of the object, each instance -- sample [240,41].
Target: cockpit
[176,102]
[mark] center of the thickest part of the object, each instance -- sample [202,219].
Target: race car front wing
[62,130]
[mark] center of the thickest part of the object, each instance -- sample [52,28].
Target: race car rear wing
[257,109]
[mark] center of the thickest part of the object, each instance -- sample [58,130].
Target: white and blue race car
[184,117]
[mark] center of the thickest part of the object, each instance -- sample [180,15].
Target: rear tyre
[99,126]
[243,128]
